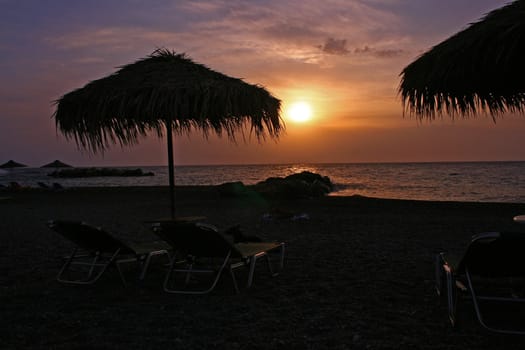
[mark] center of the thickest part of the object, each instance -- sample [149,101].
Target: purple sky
[342,57]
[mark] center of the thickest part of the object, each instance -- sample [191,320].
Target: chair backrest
[496,254]
[89,237]
[195,239]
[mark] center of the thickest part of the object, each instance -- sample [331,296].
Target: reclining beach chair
[205,250]
[96,250]
[492,270]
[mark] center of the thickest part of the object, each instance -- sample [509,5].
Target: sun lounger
[202,249]
[96,250]
[492,270]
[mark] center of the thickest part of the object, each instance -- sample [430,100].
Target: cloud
[383,53]
[389,52]
[339,47]
[335,47]
[290,32]
[260,31]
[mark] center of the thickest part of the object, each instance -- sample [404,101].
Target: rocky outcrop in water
[300,185]
[96,172]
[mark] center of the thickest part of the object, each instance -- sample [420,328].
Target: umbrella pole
[171,172]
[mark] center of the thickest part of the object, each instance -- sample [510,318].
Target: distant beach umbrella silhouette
[12,164]
[479,69]
[165,92]
[56,164]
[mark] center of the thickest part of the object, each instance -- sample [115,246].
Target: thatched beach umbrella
[163,92]
[12,164]
[480,69]
[56,164]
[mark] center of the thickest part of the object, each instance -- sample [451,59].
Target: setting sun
[299,112]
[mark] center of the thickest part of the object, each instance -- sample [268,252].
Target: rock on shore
[300,185]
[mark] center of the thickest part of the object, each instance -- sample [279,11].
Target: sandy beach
[358,275]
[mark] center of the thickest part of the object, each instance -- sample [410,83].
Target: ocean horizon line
[474,180]
[290,163]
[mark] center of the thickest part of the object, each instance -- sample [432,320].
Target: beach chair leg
[145,260]
[172,268]
[219,273]
[438,266]
[234,280]
[251,272]
[270,266]
[451,296]
[190,270]
[117,265]
[188,275]
[93,264]
[103,266]
[66,266]
[282,256]
[89,279]
[253,262]
[168,275]
[475,301]
[281,262]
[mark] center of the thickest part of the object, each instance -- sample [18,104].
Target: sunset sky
[340,58]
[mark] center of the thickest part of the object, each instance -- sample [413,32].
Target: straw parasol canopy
[163,92]
[12,164]
[56,164]
[480,69]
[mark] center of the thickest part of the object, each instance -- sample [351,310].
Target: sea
[440,181]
